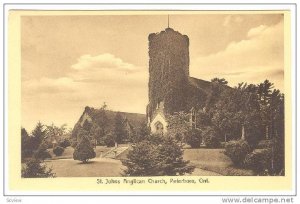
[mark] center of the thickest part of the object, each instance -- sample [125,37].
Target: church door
[159,128]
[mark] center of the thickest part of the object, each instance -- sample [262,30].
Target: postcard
[162,101]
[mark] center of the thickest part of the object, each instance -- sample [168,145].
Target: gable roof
[203,85]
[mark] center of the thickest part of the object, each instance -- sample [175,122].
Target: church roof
[203,85]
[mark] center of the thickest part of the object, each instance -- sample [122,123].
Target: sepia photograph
[157,94]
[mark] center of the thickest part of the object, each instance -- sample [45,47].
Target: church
[170,88]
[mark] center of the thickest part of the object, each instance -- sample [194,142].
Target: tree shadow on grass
[89,162]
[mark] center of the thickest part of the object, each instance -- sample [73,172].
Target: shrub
[147,158]
[58,150]
[211,138]
[222,144]
[259,161]
[277,157]
[194,138]
[65,143]
[109,140]
[237,151]
[42,154]
[84,150]
[212,141]
[35,169]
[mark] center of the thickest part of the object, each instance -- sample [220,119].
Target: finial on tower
[168,21]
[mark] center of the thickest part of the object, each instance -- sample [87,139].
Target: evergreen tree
[178,125]
[156,156]
[34,168]
[38,134]
[142,132]
[26,147]
[84,150]
[103,122]
[119,130]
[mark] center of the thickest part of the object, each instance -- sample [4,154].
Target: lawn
[214,160]
[208,162]
[98,167]
[68,153]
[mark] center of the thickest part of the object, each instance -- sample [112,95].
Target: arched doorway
[159,128]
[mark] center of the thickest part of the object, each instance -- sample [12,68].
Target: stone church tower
[168,73]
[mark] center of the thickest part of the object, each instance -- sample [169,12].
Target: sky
[69,62]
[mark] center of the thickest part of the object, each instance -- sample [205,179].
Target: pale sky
[69,62]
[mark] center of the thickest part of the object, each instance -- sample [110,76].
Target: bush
[147,158]
[259,161]
[222,144]
[194,138]
[237,151]
[42,154]
[58,150]
[211,138]
[109,140]
[84,150]
[65,143]
[35,169]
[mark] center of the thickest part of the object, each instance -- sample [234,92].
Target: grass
[214,160]
[68,153]
[94,168]
[208,162]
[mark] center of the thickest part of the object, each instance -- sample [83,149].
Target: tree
[252,120]
[58,151]
[55,133]
[211,138]
[34,168]
[220,81]
[119,130]
[38,134]
[26,147]
[84,150]
[142,132]
[226,116]
[110,140]
[264,93]
[160,156]
[218,86]
[141,160]
[237,151]
[238,109]
[178,125]
[277,133]
[102,122]
[193,138]
[42,153]
[170,160]
[65,143]
[39,144]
